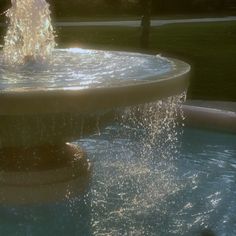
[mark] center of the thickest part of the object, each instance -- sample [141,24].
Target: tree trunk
[145,23]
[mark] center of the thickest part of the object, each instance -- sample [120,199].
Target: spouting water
[30,35]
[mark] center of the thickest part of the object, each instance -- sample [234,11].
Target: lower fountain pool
[182,193]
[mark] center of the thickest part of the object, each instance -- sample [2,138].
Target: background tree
[146,5]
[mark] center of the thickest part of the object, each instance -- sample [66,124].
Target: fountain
[52,97]
[49,97]
[120,110]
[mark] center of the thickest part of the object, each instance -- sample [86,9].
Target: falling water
[30,35]
[133,181]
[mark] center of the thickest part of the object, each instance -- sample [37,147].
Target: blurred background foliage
[78,8]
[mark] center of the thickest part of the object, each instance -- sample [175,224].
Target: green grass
[210,48]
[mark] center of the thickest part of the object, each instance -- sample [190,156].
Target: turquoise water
[135,189]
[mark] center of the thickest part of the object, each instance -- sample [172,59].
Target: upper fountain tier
[80,80]
[34,80]
[42,90]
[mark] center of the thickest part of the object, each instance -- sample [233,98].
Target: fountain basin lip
[210,115]
[89,100]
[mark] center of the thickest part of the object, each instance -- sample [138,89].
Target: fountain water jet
[30,35]
[50,102]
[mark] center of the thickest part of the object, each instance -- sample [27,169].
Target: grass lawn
[209,47]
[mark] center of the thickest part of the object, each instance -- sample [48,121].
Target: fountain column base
[42,174]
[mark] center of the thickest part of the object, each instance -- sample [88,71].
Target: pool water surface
[138,189]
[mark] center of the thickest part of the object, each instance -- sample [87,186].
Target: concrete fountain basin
[43,108]
[49,114]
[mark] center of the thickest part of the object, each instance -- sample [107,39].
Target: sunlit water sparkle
[76,68]
[145,181]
